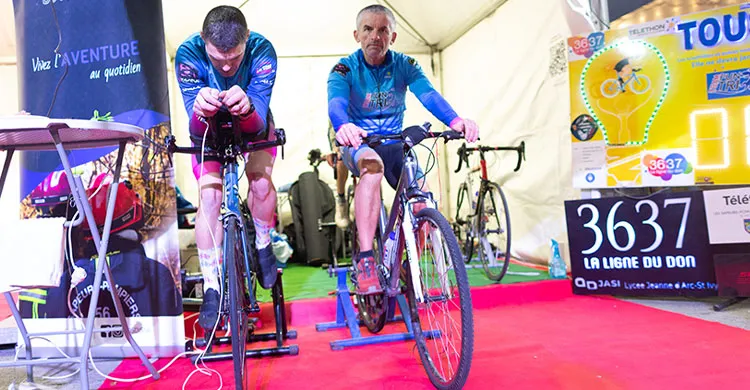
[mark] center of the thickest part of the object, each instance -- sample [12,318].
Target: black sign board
[657,246]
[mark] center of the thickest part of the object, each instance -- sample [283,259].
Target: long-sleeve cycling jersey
[373,97]
[256,75]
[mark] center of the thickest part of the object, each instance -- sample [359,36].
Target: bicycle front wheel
[494,232]
[234,258]
[442,319]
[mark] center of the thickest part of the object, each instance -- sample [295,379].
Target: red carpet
[528,335]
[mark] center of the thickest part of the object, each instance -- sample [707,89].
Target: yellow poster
[665,103]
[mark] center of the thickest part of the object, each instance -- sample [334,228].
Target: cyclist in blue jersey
[227,71]
[366,95]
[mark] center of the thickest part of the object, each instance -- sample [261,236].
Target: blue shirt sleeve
[190,73]
[421,87]
[339,87]
[262,76]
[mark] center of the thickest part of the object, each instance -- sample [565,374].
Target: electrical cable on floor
[74,282]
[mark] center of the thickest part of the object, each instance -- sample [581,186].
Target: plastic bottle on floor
[557,267]
[388,246]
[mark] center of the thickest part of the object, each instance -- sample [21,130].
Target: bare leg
[208,230]
[261,197]
[367,198]
[341,175]
[342,211]
[261,200]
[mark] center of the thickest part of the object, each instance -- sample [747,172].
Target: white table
[27,132]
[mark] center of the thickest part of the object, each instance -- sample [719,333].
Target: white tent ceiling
[309,28]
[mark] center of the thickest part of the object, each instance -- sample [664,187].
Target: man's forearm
[252,123]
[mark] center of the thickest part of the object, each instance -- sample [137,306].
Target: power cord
[79,274]
[57,54]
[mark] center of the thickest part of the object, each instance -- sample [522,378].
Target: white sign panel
[728,215]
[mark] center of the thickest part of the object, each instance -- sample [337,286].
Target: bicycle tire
[610,88]
[372,308]
[466,349]
[464,234]
[236,289]
[640,84]
[485,245]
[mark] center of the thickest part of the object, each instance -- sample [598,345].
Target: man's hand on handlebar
[207,103]
[237,101]
[350,135]
[468,127]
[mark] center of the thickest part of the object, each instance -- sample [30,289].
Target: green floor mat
[301,281]
[516,273]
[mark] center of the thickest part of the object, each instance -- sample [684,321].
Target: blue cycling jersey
[256,74]
[373,97]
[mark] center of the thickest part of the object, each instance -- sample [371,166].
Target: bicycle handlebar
[411,136]
[246,147]
[464,152]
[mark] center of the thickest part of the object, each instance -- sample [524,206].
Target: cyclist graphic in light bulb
[627,78]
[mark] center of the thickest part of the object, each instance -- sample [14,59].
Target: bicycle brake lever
[461,152]
[169,141]
[521,155]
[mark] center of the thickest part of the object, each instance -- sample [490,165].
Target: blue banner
[88,58]
[731,83]
[104,60]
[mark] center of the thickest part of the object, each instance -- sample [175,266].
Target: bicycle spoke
[444,315]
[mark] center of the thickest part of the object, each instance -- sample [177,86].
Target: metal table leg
[82,202]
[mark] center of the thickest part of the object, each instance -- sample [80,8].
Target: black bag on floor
[312,200]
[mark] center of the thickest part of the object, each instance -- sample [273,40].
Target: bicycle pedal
[254,308]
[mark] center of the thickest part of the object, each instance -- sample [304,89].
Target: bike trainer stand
[346,316]
[281,334]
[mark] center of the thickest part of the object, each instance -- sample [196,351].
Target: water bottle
[388,247]
[557,268]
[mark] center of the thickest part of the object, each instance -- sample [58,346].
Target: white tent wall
[9,201]
[498,73]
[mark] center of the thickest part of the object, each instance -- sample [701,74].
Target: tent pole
[604,11]
[443,172]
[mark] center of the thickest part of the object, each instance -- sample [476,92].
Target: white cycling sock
[262,233]
[210,260]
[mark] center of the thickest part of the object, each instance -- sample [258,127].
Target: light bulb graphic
[622,90]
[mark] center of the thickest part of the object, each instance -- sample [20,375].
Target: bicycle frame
[230,213]
[633,75]
[408,192]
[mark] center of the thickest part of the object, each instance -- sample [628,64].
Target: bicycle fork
[440,264]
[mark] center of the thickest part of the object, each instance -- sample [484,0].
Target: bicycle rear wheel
[373,308]
[494,232]
[234,258]
[443,321]
[464,229]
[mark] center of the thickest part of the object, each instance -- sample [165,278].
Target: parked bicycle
[240,266]
[482,216]
[433,278]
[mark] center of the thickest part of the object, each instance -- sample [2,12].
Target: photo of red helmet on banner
[147,286]
[128,212]
[52,196]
